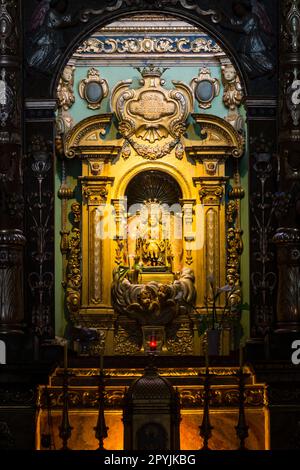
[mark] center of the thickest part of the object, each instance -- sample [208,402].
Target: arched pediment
[217,136]
[87,137]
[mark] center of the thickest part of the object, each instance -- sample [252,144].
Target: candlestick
[101,363]
[241,355]
[66,354]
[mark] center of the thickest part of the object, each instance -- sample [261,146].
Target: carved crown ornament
[151,118]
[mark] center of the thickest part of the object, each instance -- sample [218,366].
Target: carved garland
[161,45]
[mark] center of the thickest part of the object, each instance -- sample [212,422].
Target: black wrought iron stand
[242,427]
[101,428]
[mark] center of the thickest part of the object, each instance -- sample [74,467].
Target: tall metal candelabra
[206,428]
[241,427]
[101,428]
[65,430]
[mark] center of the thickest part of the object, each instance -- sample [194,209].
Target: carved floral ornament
[148,45]
[218,137]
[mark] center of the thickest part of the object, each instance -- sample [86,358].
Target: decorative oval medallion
[205,88]
[204,91]
[93,89]
[93,92]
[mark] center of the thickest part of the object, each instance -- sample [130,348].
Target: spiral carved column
[12,239]
[287,238]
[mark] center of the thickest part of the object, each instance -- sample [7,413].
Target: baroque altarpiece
[158,208]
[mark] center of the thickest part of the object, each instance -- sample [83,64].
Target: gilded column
[11,188]
[287,237]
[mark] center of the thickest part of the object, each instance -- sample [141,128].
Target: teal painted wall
[114,74]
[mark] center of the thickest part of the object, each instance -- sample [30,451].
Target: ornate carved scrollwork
[290,49]
[291,11]
[127,340]
[87,133]
[65,91]
[216,134]
[151,114]
[181,342]
[190,397]
[210,194]
[152,303]
[8,35]
[137,45]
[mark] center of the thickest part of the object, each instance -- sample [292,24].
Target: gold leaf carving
[151,113]
[211,194]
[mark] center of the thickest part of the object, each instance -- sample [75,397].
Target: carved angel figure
[46,42]
[233,94]
[65,92]
[65,100]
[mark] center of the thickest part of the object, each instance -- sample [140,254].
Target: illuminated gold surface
[83,434]
[83,407]
[223,434]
